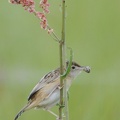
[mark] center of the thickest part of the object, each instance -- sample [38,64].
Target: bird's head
[76,69]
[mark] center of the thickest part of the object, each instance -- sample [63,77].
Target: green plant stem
[65,85]
[61,83]
[62,61]
[69,65]
[64,56]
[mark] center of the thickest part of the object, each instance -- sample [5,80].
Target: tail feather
[21,111]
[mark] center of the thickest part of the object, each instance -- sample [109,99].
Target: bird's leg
[60,87]
[53,113]
[57,117]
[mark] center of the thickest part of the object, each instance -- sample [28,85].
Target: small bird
[46,93]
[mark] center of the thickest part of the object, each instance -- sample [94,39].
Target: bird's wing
[50,77]
[44,93]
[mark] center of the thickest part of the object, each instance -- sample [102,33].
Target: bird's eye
[73,67]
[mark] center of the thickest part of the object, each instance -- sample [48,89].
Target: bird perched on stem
[46,93]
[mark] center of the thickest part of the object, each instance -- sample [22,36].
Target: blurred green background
[27,53]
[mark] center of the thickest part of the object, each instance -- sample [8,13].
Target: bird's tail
[22,111]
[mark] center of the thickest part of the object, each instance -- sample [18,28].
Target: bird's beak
[85,68]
